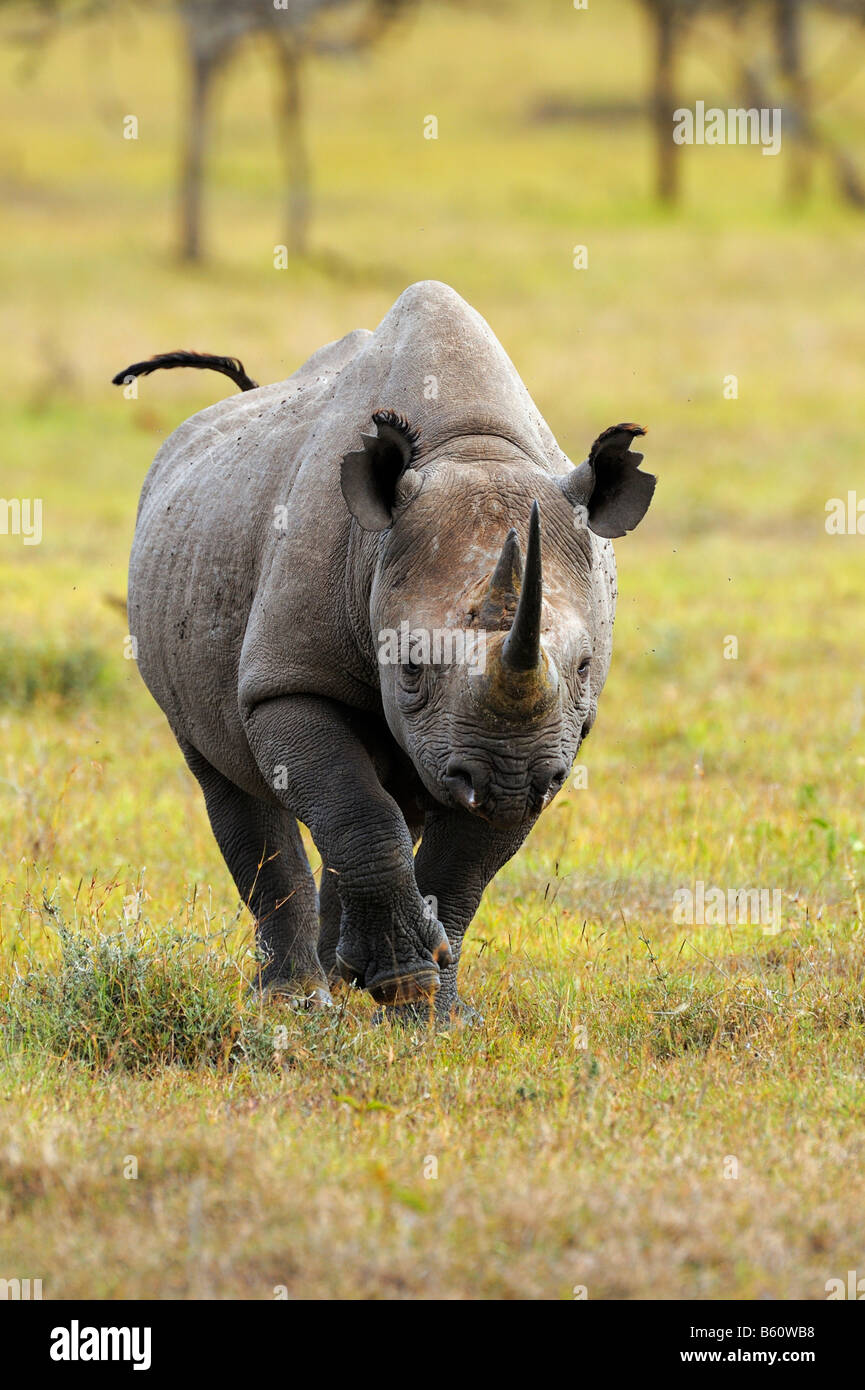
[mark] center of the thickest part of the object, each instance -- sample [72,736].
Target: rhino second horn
[504,584]
[522,646]
[508,572]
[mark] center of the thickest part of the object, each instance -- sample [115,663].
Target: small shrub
[136,1002]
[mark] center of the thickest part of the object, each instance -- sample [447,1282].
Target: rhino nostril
[462,783]
[547,780]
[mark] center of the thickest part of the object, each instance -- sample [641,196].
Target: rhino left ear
[609,485]
[378,477]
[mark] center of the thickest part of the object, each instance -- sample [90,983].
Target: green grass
[583,1135]
[136,1002]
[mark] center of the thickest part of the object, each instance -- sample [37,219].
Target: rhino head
[491,604]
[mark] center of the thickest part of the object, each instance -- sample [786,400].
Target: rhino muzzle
[500,795]
[519,687]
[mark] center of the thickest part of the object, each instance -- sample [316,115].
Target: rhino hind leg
[261,844]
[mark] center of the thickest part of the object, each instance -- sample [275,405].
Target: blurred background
[244,179]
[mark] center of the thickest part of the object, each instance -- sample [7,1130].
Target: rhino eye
[410,673]
[412,692]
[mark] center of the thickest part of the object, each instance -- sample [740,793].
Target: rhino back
[205,521]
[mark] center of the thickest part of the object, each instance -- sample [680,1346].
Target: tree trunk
[294,151]
[788,39]
[195,144]
[663,104]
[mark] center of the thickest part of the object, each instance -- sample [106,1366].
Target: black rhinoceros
[304,554]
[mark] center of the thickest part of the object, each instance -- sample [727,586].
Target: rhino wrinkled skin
[257,599]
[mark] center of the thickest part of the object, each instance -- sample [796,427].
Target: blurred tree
[665,17]
[297,29]
[787,21]
[673,21]
[214,30]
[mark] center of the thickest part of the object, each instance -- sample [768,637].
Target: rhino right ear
[609,487]
[378,477]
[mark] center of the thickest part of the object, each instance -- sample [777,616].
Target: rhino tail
[229,366]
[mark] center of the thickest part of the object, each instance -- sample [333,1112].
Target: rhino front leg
[458,856]
[308,751]
[330,916]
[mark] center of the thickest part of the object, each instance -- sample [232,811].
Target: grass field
[650,1109]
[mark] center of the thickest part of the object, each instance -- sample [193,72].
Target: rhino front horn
[522,646]
[520,681]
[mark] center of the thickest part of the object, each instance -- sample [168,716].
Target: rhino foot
[400,966]
[386,987]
